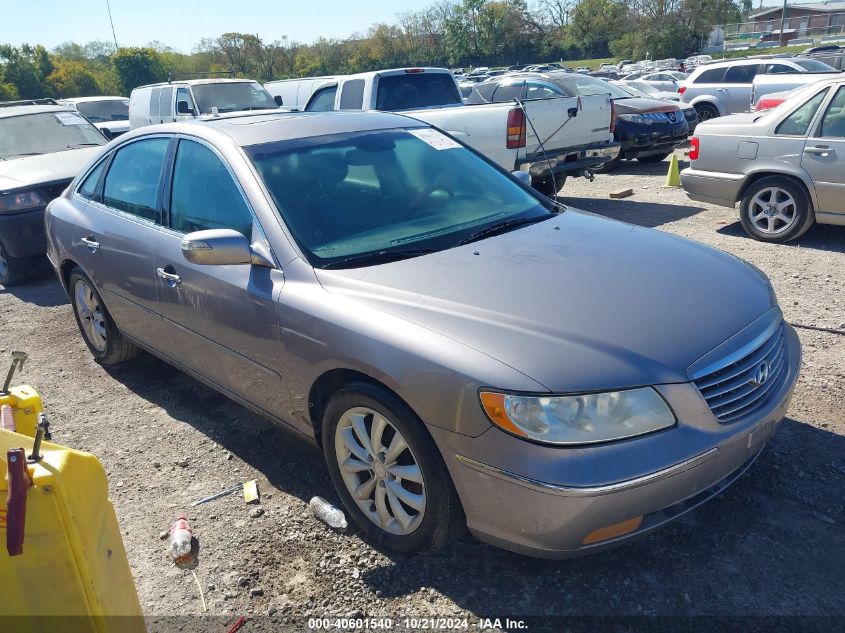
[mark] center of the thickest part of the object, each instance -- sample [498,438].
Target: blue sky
[181,24]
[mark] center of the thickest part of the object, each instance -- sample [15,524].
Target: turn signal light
[516,129]
[694,148]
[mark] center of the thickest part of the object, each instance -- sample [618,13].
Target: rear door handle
[169,278]
[819,150]
[91,243]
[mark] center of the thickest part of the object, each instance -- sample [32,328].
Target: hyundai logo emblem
[761,374]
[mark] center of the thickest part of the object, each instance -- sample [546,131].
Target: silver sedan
[785,166]
[464,351]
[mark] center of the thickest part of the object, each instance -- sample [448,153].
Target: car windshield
[642,87]
[45,133]
[584,86]
[105,110]
[418,90]
[344,196]
[814,66]
[232,97]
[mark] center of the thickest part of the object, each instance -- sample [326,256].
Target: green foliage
[138,66]
[447,33]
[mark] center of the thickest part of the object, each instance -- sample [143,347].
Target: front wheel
[15,270]
[99,331]
[706,111]
[388,472]
[776,209]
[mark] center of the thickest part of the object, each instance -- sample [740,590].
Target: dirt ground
[771,545]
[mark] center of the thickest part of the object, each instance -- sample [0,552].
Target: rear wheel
[654,158]
[706,111]
[776,209]
[98,329]
[388,472]
[548,187]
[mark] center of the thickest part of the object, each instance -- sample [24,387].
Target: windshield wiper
[377,257]
[24,154]
[78,145]
[262,108]
[501,227]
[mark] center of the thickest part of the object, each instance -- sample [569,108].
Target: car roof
[29,109]
[254,128]
[89,99]
[199,82]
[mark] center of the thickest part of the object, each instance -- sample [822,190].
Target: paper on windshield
[434,138]
[69,118]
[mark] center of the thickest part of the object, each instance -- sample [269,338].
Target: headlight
[636,118]
[21,201]
[582,419]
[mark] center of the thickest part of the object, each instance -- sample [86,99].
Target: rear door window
[710,76]
[352,95]
[542,90]
[322,100]
[89,186]
[132,182]
[509,92]
[742,74]
[797,123]
[777,69]
[833,123]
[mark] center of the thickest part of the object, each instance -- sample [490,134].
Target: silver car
[784,166]
[465,351]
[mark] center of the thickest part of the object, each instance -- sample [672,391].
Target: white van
[193,98]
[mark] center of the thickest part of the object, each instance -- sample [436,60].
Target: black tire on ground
[609,165]
[15,270]
[654,158]
[547,187]
[803,215]
[443,519]
[706,111]
[117,348]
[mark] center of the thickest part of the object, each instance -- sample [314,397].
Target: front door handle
[819,150]
[169,278]
[91,243]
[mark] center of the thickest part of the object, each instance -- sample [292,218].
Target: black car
[648,129]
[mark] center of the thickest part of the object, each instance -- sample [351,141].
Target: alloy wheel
[91,315]
[380,470]
[772,210]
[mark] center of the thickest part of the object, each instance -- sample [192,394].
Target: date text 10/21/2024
[416,624]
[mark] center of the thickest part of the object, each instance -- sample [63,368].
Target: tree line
[447,33]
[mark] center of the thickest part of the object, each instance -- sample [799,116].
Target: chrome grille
[736,390]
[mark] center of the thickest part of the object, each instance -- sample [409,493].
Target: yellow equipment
[61,553]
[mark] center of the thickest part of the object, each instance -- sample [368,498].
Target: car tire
[610,165]
[547,187]
[429,515]
[96,325]
[706,111]
[15,270]
[654,158]
[776,209]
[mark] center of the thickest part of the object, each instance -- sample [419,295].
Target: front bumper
[712,187]
[545,501]
[22,234]
[640,139]
[570,161]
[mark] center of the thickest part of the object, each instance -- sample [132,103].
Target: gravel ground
[773,544]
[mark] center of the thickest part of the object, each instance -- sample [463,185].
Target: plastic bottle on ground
[180,538]
[327,513]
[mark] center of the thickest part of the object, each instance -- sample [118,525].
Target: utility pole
[783,23]
[112,25]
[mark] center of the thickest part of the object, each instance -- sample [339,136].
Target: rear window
[416,90]
[743,74]
[814,66]
[710,76]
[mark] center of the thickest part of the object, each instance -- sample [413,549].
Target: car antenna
[539,140]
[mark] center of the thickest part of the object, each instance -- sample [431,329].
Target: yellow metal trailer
[61,553]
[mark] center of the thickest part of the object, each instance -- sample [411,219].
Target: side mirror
[182,107]
[278,100]
[523,176]
[222,247]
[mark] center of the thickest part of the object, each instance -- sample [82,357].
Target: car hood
[28,171]
[636,105]
[592,304]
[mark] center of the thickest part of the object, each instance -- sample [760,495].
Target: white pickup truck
[549,138]
[766,85]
